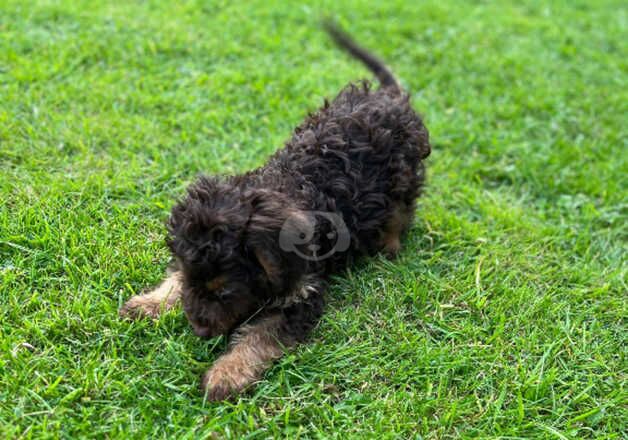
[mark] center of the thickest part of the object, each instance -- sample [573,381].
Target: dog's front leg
[151,304]
[255,346]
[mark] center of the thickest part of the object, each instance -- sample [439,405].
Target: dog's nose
[313,247]
[201,332]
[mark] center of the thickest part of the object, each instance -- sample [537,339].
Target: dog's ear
[270,263]
[270,214]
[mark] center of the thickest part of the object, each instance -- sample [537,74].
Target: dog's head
[226,243]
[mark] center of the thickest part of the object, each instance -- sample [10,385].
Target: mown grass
[505,316]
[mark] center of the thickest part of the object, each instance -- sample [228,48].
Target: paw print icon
[314,235]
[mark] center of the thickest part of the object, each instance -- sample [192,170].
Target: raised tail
[375,65]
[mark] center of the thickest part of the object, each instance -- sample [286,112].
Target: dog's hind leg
[397,224]
[153,303]
[255,346]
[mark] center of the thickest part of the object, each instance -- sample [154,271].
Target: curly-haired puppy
[253,252]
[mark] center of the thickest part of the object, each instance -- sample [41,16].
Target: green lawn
[505,315]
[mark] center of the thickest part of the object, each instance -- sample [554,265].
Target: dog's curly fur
[360,157]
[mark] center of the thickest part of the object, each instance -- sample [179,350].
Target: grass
[504,317]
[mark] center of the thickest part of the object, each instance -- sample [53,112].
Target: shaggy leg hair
[254,346]
[253,252]
[151,304]
[400,220]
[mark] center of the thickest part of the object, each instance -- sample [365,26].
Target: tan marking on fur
[272,272]
[216,283]
[397,224]
[153,303]
[253,349]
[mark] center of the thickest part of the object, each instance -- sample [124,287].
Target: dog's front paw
[140,307]
[223,381]
[153,303]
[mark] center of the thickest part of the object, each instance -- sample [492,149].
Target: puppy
[253,252]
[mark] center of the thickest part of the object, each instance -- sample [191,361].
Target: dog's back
[361,155]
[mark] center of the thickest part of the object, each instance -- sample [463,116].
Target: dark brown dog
[253,252]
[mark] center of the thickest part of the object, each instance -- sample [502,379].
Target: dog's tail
[375,65]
